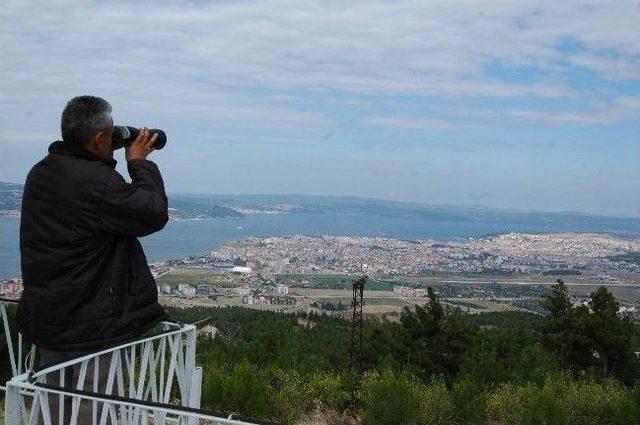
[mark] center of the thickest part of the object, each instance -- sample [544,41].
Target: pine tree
[610,334]
[558,304]
[592,336]
[433,340]
[558,327]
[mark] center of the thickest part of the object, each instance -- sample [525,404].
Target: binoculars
[124,135]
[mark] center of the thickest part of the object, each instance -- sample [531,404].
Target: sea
[184,238]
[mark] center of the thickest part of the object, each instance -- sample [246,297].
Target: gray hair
[83,117]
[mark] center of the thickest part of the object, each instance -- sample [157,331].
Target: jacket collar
[77,151]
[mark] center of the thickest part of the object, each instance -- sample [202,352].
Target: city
[498,273]
[501,254]
[301,273]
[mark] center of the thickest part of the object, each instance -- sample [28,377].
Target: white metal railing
[19,363]
[152,379]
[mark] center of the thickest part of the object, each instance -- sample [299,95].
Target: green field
[200,277]
[335,281]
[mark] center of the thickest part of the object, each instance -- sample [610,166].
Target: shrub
[290,396]
[244,390]
[328,391]
[469,400]
[592,403]
[436,405]
[507,404]
[563,401]
[544,406]
[390,399]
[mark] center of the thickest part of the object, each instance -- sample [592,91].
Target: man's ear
[96,142]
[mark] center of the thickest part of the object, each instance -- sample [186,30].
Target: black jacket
[86,280]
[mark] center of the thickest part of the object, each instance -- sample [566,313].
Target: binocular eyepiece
[124,135]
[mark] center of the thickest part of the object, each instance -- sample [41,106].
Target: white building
[282,290]
[188,291]
[241,269]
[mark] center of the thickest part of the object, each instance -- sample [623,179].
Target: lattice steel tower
[356,324]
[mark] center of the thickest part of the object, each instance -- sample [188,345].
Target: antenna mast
[356,324]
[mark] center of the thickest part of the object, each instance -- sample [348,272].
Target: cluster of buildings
[267,300]
[157,271]
[10,287]
[266,295]
[262,295]
[188,291]
[408,292]
[552,253]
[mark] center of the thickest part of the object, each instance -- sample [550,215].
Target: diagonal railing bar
[177,329]
[22,359]
[221,417]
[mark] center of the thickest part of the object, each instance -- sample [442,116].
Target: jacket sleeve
[138,208]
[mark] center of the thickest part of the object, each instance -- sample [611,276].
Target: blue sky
[509,104]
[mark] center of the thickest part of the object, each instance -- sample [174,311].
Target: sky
[525,105]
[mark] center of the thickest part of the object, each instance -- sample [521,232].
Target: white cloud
[250,65]
[430,48]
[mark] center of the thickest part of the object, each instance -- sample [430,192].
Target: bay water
[183,238]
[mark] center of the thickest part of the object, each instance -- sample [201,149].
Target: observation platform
[150,380]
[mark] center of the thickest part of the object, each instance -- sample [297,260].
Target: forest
[432,364]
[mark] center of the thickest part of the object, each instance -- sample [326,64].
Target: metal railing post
[7,334]
[195,391]
[189,363]
[12,404]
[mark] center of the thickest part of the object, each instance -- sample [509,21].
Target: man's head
[86,121]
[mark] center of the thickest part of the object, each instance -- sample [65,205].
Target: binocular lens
[124,135]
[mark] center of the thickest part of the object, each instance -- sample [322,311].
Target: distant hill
[185,210]
[11,201]
[552,221]
[194,206]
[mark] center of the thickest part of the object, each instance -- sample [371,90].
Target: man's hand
[141,147]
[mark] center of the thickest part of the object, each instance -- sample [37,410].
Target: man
[87,284]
